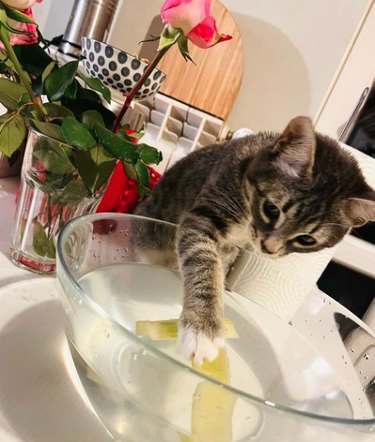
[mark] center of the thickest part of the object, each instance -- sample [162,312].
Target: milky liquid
[141,396]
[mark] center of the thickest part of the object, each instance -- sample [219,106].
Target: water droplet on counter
[352,350]
[106,333]
[366,356]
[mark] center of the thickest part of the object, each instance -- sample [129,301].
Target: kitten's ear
[361,210]
[295,148]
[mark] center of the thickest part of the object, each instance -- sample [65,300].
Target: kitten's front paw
[197,345]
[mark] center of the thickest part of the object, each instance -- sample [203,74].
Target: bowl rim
[121,50]
[264,403]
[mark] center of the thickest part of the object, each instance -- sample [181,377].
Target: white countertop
[39,399]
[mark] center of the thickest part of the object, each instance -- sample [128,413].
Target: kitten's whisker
[231,206]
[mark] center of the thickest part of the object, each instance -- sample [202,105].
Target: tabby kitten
[298,191]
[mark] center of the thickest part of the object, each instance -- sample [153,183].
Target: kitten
[298,191]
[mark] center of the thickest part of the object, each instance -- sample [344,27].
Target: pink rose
[23,39]
[194,19]
[20,4]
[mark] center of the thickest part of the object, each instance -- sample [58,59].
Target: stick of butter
[167,329]
[212,407]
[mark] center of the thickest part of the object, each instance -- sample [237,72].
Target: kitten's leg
[201,321]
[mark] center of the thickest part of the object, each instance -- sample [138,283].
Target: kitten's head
[306,192]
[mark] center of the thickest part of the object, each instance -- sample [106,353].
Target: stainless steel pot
[89,18]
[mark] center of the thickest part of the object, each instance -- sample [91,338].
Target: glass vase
[51,193]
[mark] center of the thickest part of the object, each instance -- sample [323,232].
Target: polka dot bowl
[118,69]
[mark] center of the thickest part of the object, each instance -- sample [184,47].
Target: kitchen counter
[40,396]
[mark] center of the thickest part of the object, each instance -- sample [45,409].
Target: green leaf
[72,90]
[168,37]
[80,106]
[183,47]
[77,135]
[33,58]
[129,170]
[48,70]
[74,193]
[13,133]
[57,81]
[51,250]
[142,178]
[142,172]
[54,157]
[3,14]
[98,86]
[115,145]
[42,245]
[58,112]
[49,129]
[88,94]
[17,15]
[91,117]
[95,167]
[10,93]
[149,154]
[53,182]
[24,98]
[7,65]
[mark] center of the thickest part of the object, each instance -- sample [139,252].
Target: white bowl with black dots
[118,69]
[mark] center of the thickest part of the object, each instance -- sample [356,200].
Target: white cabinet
[355,73]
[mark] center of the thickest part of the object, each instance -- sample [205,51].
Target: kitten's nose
[270,246]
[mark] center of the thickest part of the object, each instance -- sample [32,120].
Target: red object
[121,194]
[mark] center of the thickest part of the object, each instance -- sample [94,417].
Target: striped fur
[297,191]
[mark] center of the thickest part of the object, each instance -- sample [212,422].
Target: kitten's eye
[306,240]
[270,210]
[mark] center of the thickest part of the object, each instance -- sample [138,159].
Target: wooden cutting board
[213,82]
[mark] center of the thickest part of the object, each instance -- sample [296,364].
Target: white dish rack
[175,128]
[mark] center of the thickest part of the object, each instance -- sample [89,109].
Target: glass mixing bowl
[272,384]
